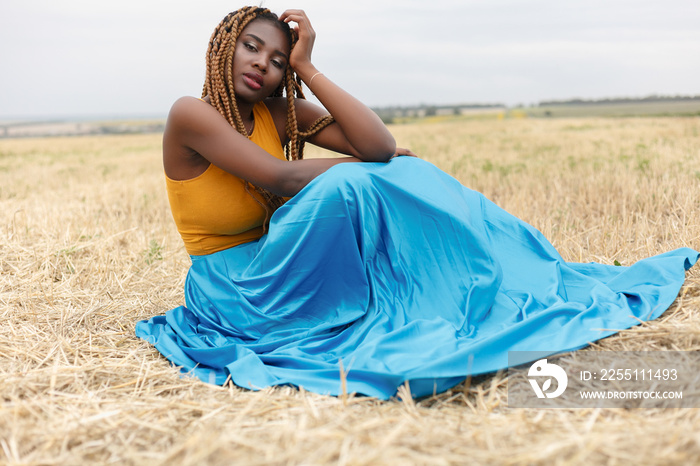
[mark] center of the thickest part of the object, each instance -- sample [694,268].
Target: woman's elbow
[380,151]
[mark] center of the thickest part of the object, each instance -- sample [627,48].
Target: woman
[374,273]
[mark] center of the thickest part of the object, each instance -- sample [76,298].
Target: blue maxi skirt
[391,273]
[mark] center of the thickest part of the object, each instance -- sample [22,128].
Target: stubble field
[88,248]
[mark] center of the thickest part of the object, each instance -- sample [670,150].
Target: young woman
[385,272]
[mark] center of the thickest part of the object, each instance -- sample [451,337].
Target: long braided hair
[218,85]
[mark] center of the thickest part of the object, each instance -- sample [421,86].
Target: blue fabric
[403,274]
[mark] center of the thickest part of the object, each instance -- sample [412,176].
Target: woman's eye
[278,64]
[250,46]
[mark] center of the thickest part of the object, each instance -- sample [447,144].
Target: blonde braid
[218,86]
[315,127]
[291,125]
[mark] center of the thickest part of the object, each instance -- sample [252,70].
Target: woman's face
[259,61]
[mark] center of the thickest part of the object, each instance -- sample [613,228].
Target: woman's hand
[301,54]
[401,151]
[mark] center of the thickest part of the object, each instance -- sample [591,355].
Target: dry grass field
[88,248]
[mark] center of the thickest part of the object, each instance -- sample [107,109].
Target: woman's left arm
[358,130]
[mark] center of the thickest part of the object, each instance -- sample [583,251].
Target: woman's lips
[254,81]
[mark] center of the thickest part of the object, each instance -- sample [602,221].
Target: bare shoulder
[187,108]
[190,116]
[187,100]
[180,121]
[185,118]
[307,112]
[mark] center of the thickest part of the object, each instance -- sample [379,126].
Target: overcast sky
[135,57]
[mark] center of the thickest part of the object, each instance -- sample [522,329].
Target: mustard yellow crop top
[213,211]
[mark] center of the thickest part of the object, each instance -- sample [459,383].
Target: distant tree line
[621,100]
[390,114]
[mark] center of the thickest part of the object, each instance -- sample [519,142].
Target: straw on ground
[88,248]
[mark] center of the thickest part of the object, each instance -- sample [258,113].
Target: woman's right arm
[195,127]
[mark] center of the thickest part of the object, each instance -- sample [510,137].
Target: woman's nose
[261,63]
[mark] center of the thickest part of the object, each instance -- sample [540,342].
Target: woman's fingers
[405,152]
[291,12]
[305,37]
[303,26]
[299,17]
